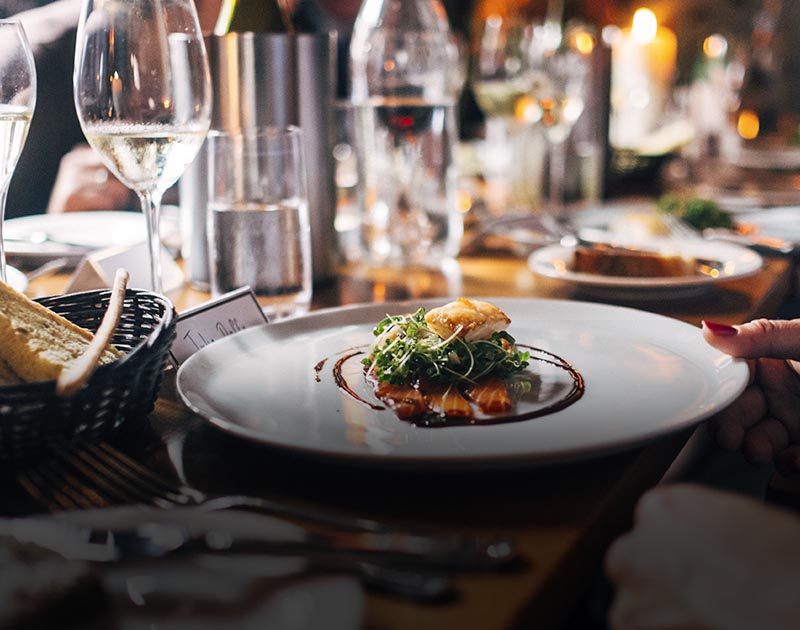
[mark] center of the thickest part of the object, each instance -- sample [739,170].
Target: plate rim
[459,462]
[650,284]
[91,218]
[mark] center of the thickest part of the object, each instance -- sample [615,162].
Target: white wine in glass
[17,101]
[560,95]
[143,96]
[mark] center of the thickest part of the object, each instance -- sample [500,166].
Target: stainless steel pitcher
[260,80]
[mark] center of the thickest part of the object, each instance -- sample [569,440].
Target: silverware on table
[98,475]
[127,535]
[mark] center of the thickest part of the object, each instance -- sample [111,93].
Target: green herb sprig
[697,212]
[407,349]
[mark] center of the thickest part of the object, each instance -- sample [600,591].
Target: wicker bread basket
[33,418]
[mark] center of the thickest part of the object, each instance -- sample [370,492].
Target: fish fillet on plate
[470,319]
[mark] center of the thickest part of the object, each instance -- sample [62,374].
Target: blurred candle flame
[644,26]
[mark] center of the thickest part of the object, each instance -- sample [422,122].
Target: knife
[112,534]
[75,542]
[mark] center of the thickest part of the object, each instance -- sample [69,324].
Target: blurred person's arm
[84,183]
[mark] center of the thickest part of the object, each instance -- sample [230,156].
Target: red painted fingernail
[720,330]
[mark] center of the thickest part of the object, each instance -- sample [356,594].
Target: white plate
[783,222]
[16,279]
[90,230]
[735,262]
[645,375]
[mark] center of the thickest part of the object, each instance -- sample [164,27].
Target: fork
[678,227]
[69,494]
[98,475]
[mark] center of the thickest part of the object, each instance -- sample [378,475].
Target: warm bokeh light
[464,201]
[611,35]
[748,125]
[584,42]
[527,110]
[715,46]
[644,27]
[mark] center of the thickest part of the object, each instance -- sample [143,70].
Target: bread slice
[36,343]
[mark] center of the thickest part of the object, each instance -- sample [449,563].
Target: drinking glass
[501,71]
[17,101]
[560,93]
[143,96]
[259,233]
[504,80]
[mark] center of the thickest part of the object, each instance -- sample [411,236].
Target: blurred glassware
[347,222]
[17,102]
[766,125]
[559,93]
[502,80]
[259,234]
[405,131]
[142,92]
[501,77]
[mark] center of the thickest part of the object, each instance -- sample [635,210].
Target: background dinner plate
[645,375]
[782,222]
[736,262]
[90,230]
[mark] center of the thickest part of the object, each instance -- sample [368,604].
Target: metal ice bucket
[260,80]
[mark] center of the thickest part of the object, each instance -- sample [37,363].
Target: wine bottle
[257,16]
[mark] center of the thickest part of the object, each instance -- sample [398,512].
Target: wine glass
[143,96]
[562,69]
[17,101]
[501,72]
[502,79]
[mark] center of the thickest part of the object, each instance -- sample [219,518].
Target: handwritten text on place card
[204,324]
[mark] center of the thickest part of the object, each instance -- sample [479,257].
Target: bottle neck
[257,16]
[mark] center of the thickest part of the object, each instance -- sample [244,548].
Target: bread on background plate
[36,343]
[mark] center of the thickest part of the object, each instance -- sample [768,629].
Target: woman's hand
[84,183]
[764,422]
[700,558]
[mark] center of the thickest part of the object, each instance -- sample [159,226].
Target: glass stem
[558,170]
[151,207]
[3,195]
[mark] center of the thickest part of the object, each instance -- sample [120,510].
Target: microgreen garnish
[406,349]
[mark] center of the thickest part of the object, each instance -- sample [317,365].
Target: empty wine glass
[503,79]
[143,96]
[501,71]
[562,68]
[17,101]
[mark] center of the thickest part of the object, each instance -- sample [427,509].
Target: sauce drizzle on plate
[555,395]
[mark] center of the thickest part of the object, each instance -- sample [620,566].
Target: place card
[204,324]
[97,270]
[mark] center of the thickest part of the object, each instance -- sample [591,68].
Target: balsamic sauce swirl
[571,395]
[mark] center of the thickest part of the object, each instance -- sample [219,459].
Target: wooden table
[562,517]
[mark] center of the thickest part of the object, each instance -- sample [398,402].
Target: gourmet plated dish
[457,364]
[36,344]
[609,260]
